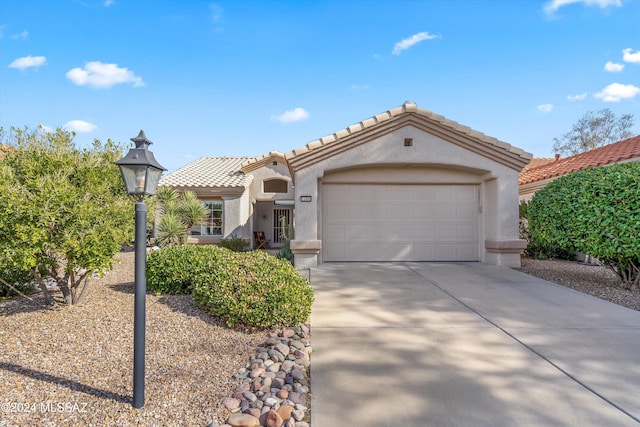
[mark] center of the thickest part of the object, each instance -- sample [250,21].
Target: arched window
[275,186]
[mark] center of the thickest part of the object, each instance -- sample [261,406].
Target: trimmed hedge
[171,270]
[595,211]
[240,288]
[255,289]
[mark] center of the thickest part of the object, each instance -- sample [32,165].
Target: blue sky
[211,78]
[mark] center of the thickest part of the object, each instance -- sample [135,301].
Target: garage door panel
[401,232]
[465,232]
[335,232]
[400,222]
[424,251]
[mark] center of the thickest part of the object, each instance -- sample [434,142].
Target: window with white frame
[211,224]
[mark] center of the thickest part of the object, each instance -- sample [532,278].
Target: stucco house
[404,185]
[541,171]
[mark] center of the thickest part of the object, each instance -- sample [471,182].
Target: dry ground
[594,280]
[82,357]
[73,366]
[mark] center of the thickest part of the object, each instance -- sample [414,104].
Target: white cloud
[545,108]
[216,12]
[613,67]
[359,87]
[99,75]
[410,41]
[553,5]
[80,126]
[23,35]
[616,92]
[628,56]
[108,3]
[290,116]
[578,97]
[28,62]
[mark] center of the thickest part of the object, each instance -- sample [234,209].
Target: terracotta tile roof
[539,161]
[3,149]
[626,150]
[210,172]
[300,155]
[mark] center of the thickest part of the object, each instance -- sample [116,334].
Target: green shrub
[254,289]
[285,252]
[171,270]
[595,211]
[21,280]
[535,248]
[233,243]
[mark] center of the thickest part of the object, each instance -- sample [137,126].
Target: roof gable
[218,172]
[257,162]
[626,150]
[407,114]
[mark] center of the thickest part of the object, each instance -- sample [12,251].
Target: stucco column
[306,246]
[502,244]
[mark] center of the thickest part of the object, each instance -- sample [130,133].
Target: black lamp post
[141,173]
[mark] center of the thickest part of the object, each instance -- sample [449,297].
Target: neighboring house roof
[407,114]
[618,152]
[3,148]
[217,172]
[539,161]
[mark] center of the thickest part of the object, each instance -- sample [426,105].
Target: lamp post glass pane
[134,178]
[153,178]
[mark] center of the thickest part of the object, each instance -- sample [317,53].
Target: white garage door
[366,222]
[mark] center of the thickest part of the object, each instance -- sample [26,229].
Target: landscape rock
[243,420]
[274,385]
[274,419]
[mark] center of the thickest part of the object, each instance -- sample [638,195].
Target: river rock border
[274,387]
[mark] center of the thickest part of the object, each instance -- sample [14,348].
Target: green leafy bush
[254,289]
[595,211]
[249,288]
[233,243]
[535,248]
[171,269]
[21,280]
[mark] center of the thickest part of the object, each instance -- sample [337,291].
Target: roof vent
[408,142]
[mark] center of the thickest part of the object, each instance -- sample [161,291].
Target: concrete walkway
[467,344]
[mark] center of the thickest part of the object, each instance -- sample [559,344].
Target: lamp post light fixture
[141,174]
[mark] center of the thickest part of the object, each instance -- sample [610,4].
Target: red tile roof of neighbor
[544,168]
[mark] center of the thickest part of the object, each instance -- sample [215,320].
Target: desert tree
[594,130]
[65,212]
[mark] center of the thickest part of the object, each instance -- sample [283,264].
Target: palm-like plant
[166,194]
[191,209]
[178,213]
[171,231]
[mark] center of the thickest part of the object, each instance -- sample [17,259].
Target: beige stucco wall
[445,162]
[270,171]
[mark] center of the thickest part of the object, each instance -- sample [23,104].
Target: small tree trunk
[43,287]
[66,293]
[14,289]
[78,297]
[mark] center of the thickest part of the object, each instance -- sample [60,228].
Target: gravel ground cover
[73,366]
[595,280]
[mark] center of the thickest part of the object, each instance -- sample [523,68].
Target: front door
[281,224]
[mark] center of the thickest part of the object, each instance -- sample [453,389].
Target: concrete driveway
[467,344]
